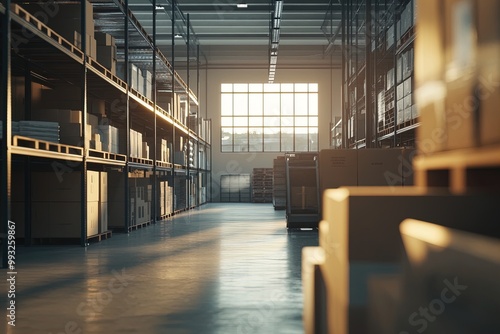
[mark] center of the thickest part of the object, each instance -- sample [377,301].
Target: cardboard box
[338,168]
[93,218]
[103,187]
[57,115]
[363,238]
[70,134]
[431,134]
[429,44]
[104,39]
[58,186]
[380,167]
[103,217]
[93,183]
[313,290]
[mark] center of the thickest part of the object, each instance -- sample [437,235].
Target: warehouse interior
[261,166]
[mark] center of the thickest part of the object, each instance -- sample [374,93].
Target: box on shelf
[57,115]
[103,217]
[379,167]
[106,56]
[92,218]
[338,168]
[71,133]
[104,39]
[145,150]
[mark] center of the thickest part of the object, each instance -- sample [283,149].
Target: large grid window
[269,117]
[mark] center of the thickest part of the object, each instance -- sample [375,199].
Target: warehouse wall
[211,79]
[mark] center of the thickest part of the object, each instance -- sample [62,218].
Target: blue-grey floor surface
[221,268]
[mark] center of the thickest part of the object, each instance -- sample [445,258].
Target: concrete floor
[222,268]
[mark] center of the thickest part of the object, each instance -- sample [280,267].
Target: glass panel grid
[269,117]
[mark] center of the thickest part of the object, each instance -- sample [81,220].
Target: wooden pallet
[99,237]
[460,170]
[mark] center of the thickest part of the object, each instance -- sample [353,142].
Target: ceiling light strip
[274,38]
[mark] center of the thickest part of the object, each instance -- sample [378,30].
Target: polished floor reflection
[222,268]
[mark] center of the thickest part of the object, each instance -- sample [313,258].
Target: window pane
[313,121]
[240,104]
[226,121]
[241,121]
[255,139]
[287,104]
[272,118]
[271,139]
[273,88]
[271,104]
[255,104]
[286,121]
[301,139]
[240,88]
[273,122]
[286,139]
[255,121]
[313,104]
[226,104]
[287,87]
[226,88]
[313,139]
[240,140]
[257,88]
[301,121]
[301,87]
[227,139]
[301,104]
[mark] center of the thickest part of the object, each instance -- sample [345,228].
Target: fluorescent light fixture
[177,36]
[278,8]
[274,45]
[273,60]
[276,23]
[242,5]
[275,36]
[274,52]
[159,7]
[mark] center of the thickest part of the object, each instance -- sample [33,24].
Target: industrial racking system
[111,103]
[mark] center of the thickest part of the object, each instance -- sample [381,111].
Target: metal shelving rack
[35,53]
[373,46]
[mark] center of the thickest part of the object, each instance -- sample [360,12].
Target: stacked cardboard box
[106,51]
[361,238]
[109,136]
[56,204]
[103,202]
[458,92]
[164,152]
[148,84]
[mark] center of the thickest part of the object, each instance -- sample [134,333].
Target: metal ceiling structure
[234,36]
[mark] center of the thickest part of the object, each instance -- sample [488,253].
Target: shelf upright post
[5,107]
[368,76]
[174,106]
[154,208]
[344,92]
[83,234]
[127,117]
[188,112]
